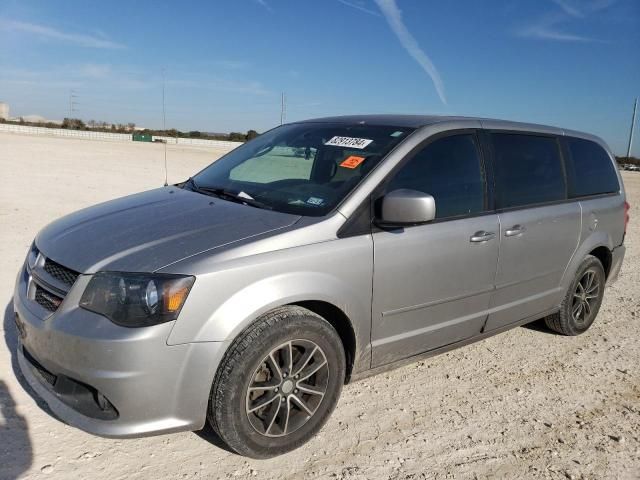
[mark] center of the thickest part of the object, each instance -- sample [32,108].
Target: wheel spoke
[274,414]
[307,389]
[576,309]
[589,281]
[262,402]
[587,308]
[303,361]
[594,287]
[301,404]
[256,386]
[290,359]
[276,368]
[313,369]
[287,405]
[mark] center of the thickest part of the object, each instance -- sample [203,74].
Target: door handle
[514,231]
[482,236]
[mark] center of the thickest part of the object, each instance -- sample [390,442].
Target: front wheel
[278,383]
[582,301]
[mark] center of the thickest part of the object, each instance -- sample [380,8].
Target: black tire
[566,322]
[288,329]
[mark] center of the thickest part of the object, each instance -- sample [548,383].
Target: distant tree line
[100,126]
[231,137]
[628,161]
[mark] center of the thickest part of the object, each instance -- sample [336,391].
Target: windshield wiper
[228,195]
[188,183]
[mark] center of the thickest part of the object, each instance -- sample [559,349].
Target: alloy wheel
[287,388]
[585,297]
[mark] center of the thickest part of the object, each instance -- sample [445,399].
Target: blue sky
[572,63]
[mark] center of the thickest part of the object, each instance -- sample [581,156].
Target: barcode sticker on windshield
[350,142]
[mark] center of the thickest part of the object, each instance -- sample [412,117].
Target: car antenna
[164,131]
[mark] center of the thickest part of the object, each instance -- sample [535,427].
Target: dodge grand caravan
[318,253]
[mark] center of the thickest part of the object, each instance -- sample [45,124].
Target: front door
[432,283]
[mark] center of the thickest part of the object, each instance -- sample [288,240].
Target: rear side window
[528,170]
[589,169]
[448,169]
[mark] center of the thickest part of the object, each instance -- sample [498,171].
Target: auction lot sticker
[350,142]
[352,162]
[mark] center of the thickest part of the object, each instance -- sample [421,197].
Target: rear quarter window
[590,170]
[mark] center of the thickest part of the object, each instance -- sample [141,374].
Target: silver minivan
[316,254]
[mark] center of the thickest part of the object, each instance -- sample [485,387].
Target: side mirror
[407,207]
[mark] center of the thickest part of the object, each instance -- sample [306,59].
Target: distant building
[4,111]
[34,119]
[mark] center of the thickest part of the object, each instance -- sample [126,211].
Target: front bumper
[155,388]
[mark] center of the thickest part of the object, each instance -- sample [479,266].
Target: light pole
[633,124]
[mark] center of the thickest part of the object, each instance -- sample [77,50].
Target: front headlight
[136,299]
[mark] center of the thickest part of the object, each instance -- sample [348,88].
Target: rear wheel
[582,302]
[278,383]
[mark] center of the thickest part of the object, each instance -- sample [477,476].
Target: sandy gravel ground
[524,404]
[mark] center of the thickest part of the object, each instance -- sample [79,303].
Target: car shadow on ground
[15,444]
[208,434]
[15,447]
[539,326]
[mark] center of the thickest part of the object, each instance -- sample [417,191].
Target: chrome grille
[64,274]
[48,282]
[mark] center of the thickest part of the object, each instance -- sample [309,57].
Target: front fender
[224,301]
[243,307]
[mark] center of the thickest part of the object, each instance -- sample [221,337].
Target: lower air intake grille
[47,300]
[46,374]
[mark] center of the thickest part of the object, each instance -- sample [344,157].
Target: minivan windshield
[304,168]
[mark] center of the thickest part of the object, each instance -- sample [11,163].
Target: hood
[147,231]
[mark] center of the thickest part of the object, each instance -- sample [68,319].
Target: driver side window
[281,163]
[450,170]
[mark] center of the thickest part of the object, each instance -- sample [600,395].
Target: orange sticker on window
[352,162]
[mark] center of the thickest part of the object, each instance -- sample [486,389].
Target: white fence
[199,142]
[61,132]
[120,137]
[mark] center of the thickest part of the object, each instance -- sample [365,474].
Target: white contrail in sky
[569,8]
[52,34]
[360,6]
[393,15]
[265,5]
[550,26]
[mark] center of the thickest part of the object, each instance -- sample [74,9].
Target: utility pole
[72,103]
[164,128]
[164,115]
[633,124]
[283,108]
